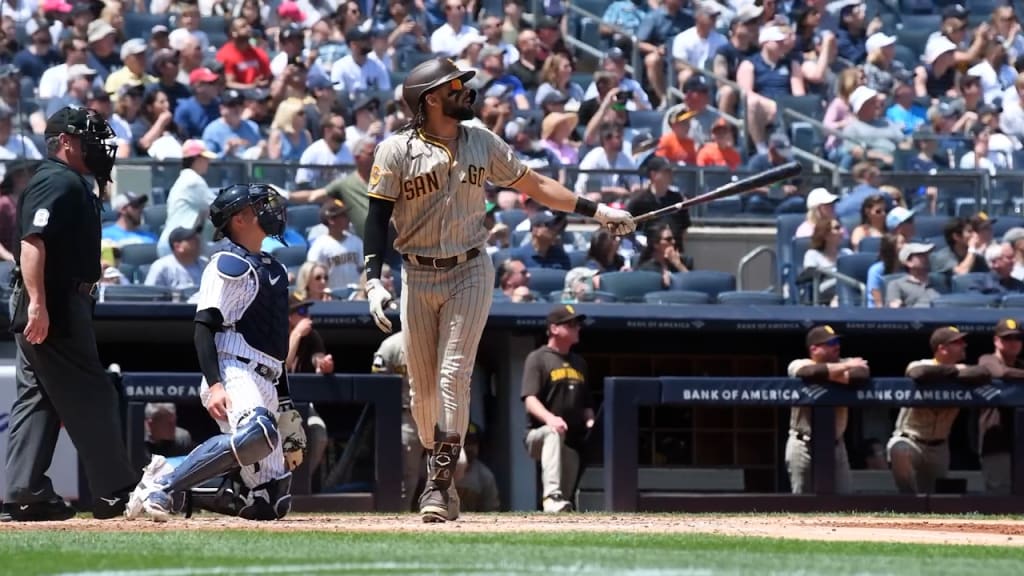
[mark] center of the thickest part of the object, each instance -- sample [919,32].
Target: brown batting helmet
[429,75]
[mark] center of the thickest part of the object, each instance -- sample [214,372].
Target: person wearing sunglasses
[996,425]
[823,366]
[428,181]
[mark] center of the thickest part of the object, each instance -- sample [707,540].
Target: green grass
[250,552]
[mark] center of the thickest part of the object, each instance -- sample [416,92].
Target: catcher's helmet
[265,200]
[429,75]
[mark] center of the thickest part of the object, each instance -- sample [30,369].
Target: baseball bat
[771,176]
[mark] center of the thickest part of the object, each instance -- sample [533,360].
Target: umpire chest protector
[264,325]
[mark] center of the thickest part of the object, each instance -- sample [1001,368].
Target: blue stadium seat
[138,254]
[907,56]
[302,217]
[342,293]
[1013,301]
[577,258]
[966,300]
[154,216]
[545,280]
[941,281]
[724,207]
[855,266]
[926,226]
[213,24]
[646,120]
[1004,223]
[511,217]
[750,298]
[870,245]
[140,24]
[136,293]
[498,258]
[710,282]
[631,286]
[962,283]
[677,297]
[138,276]
[291,255]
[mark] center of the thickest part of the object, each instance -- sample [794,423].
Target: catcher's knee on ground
[230,497]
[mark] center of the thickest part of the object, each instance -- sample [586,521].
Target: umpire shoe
[435,500]
[50,511]
[148,487]
[112,506]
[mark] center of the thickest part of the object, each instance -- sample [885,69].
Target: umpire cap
[429,75]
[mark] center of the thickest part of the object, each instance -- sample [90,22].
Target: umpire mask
[97,153]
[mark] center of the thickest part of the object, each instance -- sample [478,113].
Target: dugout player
[59,376]
[559,407]
[824,365]
[918,449]
[996,424]
[241,339]
[429,177]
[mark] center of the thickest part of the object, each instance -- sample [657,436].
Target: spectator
[1006,25]
[550,42]
[621,21]
[183,267]
[743,35]
[190,56]
[824,365]
[543,250]
[697,98]
[329,150]
[661,255]
[498,232]
[165,66]
[915,289]
[1015,237]
[54,80]
[853,32]
[936,77]
[522,134]
[821,207]
[609,157]
[289,138]
[163,435]
[128,110]
[308,355]
[446,40]
[882,71]
[491,59]
[311,282]
[696,46]
[133,55]
[514,281]
[994,72]
[721,150]
[838,114]
[290,43]
[528,67]
[155,121]
[900,221]
[659,195]
[230,136]
[982,226]
[823,255]
[258,108]
[603,255]
[925,161]
[866,175]
[955,21]
[631,94]
[490,27]
[188,201]
[999,259]
[996,425]
[245,66]
[918,449]
[817,48]
[194,114]
[656,31]
[15,179]
[982,157]
[868,136]
[872,220]
[555,132]
[16,144]
[765,76]
[512,26]
[339,250]
[368,124]
[888,263]
[469,51]
[102,57]
[963,252]
[676,145]
[39,54]
[357,72]
[556,76]
[80,82]
[128,227]
[782,198]
[474,481]
[188,22]
[904,112]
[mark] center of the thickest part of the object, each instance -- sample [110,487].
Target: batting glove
[293,436]
[619,222]
[380,299]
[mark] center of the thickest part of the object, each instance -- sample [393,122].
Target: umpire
[59,375]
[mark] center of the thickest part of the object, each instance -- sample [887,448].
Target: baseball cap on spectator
[80,9]
[80,71]
[357,35]
[97,96]
[897,216]
[131,89]
[295,302]
[954,11]
[366,102]
[128,198]
[515,126]
[681,113]
[861,96]
[546,22]
[879,40]
[747,13]
[771,34]
[491,50]
[644,141]
[655,164]
[332,208]
[563,314]
[291,32]
[112,273]
[160,29]
[232,98]
[696,83]
[821,335]
[707,7]
[780,142]
[1014,234]
[945,335]
[133,47]
[542,218]
[256,94]
[470,39]
[181,234]
[193,148]
[937,46]
[1007,327]
[162,56]
[99,29]
[981,221]
[989,108]
[820,197]
[941,110]
[202,74]
[555,97]
[56,6]
[913,249]
[290,10]
[319,82]
[615,53]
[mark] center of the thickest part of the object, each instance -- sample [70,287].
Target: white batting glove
[293,437]
[619,222]
[380,300]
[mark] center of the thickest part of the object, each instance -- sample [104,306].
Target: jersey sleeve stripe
[518,178]
[379,197]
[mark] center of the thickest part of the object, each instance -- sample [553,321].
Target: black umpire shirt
[58,204]
[559,382]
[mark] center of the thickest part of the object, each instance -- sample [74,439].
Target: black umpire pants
[63,381]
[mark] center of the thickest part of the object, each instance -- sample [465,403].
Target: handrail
[749,256]
[820,162]
[839,277]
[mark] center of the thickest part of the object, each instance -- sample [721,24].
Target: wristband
[373,265]
[585,207]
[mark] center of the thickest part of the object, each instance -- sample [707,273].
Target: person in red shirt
[245,66]
[721,150]
[676,145]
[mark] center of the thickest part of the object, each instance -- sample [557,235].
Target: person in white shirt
[339,250]
[614,63]
[368,123]
[696,44]
[329,150]
[357,72]
[183,267]
[380,50]
[607,156]
[1011,121]
[16,144]
[491,28]
[447,40]
[188,201]
[54,81]
[994,72]
[292,40]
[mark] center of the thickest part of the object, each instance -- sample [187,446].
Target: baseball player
[241,337]
[429,178]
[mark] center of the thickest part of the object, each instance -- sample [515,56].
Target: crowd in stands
[311,86]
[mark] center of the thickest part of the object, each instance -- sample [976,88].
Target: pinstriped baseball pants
[443,315]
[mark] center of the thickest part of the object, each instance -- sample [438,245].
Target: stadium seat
[136,293]
[546,280]
[631,286]
[750,298]
[907,56]
[966,300]
[870,245]
[710,282]
[138,254]
[962,283]
[1004,223]
[676,297]
[141,24]
[138,276]
[341,293]
[155,216]
[786,225]
[1013,301]
[941,281]
[578,258]
[511,217]
[302,217]
[188,293]
[498,258]
[855,266]
[291,255]
[926,226]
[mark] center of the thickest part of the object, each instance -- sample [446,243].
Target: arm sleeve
[206,347]
[858,375]
[376,229]
[813,372]
[505,169]
[921,372]
[998,370]
[974,375]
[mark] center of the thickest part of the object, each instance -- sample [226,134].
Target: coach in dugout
[824,366]
[995,425]
[918,449]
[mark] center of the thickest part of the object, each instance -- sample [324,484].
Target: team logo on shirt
[376,173]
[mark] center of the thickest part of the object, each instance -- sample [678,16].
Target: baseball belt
[442,263]
[920,440]
[261,369]
[806,438]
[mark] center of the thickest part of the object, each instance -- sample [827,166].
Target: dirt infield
[924,530]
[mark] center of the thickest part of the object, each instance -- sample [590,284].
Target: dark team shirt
[999,439]
[646,202]
[559,382]
[264,324]
[59,206]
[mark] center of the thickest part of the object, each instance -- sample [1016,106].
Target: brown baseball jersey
[390,359]
[926,423]
[439,198]
[800,418]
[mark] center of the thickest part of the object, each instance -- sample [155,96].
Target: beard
[461,108]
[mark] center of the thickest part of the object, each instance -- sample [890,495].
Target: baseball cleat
[454,504]
[156,468]
[434,505]
[555,504]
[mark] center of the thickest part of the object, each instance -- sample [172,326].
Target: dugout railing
[623,397]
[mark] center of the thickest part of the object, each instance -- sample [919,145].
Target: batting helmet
[265,200]
[429,75]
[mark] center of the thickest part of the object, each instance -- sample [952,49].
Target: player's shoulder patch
[231,265]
